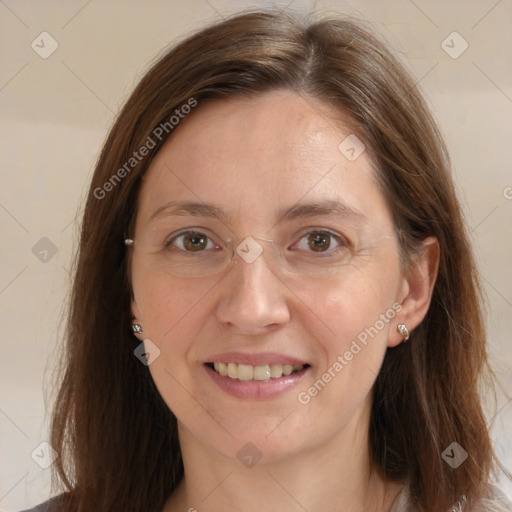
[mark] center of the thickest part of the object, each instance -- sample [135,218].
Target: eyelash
[340,239]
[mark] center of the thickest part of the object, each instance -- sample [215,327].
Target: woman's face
[323,297]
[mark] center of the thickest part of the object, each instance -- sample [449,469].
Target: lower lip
[259,389]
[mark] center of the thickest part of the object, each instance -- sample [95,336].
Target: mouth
[247,372]
[262,375]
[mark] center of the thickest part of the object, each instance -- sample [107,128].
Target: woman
[275,304]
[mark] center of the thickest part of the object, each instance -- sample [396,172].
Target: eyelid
[342,240]
[168,241]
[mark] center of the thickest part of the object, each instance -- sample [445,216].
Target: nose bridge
[251,248]
[255,297]
[256,262]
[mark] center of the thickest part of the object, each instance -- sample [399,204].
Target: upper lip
[260,359]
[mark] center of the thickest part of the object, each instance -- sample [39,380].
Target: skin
[252,157]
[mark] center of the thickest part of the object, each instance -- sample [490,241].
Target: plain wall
[55,114]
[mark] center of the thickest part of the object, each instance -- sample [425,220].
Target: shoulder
[55,504]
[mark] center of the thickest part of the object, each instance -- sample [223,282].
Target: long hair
[116,437]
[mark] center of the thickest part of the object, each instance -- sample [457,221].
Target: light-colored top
[496,501]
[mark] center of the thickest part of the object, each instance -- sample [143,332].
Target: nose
[254,300]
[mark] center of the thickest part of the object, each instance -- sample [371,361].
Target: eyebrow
[331,207]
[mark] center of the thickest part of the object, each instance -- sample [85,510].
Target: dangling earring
[137,328]
[403,331]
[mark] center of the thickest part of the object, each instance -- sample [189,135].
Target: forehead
[278,124]
[252,155]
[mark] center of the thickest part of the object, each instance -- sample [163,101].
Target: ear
[417,288]
[136,319]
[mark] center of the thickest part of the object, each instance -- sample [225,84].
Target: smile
[260,382]
[247,372]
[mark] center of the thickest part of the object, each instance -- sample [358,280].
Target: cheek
[173,312]
[358,313]
[168,305]
[357,309]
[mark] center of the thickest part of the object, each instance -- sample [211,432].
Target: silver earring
[402,329]
[136,328]
[128,241]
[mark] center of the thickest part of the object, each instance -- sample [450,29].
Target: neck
[335,477]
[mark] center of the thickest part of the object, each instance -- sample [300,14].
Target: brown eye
[319,242]
[195,242]
[191,241]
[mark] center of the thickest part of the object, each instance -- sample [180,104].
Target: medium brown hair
[116,437]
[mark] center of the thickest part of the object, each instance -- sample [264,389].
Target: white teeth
[233,370]
[262,372]
[223,369]
[276,370]
[287,369]
[245,372]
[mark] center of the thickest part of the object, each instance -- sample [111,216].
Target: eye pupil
[319,242]
[195,242]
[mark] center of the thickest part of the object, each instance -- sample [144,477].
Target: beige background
[55,113]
